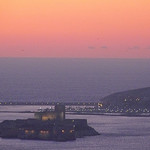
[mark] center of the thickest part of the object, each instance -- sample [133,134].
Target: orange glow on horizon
[75,28]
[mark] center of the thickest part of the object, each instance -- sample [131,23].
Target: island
[47,125]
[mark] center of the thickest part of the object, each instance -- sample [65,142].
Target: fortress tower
[60,111]
[57,114]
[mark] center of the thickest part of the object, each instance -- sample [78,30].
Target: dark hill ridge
[138,99]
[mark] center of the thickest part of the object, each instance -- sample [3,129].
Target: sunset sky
[75,28]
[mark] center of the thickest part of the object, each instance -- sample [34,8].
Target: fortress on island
[47,125]
[57,114]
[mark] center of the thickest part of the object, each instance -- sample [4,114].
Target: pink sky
[75,28]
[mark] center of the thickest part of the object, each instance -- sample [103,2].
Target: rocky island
[47,125]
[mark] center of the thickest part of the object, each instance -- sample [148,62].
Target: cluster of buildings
[47,125]
[124,108]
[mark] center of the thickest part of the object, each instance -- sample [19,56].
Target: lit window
[26,131]
[32,131]
[71,131]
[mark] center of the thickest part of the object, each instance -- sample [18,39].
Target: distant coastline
[128,103]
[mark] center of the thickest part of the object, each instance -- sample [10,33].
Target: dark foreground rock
[66,130]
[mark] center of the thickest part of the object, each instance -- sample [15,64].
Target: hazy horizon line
[75,58]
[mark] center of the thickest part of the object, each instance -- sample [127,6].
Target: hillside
[138,99]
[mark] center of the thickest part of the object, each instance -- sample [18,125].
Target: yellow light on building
[41,131]
[63,131]
[44,132]
[100,104]
[71,131]
[32,131]
[26,131]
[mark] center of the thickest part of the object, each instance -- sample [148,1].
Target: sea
[76,80]
[69,80]
[116,133]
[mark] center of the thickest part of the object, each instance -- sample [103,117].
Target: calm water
[117,133]
[69,79]
[66,80]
